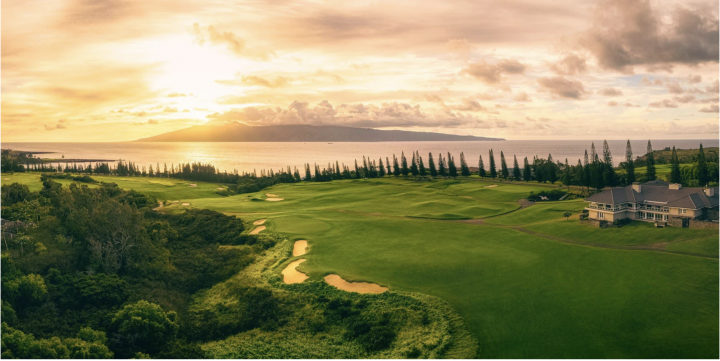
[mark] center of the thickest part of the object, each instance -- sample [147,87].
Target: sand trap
[491,186]
[259,222]
[291,275]
[300,248]
[271,195]
[257,230]
[186,204]
[220,188]
[273,199]
[359,287]
[176,201]
[192,185]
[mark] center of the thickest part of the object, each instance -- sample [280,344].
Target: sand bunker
[273,199]
[291,275]
[192,185]
[186,204]
[257,230]
[491,186]
[359,287]
[220,188]
[300,248]
[176,201]
[271,195]
[259,222]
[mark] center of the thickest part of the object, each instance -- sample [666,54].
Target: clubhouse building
[656,201]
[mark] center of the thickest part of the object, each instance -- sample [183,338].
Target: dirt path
[159,207]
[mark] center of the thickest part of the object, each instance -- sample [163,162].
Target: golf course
[528,281]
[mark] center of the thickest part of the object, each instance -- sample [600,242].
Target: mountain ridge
[236,132]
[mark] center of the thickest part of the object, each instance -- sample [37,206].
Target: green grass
[161,188]
[522,295]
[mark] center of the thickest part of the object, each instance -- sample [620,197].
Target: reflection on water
[245,157]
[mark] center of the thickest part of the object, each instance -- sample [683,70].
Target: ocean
[246,157]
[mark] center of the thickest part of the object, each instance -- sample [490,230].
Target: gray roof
[657,192]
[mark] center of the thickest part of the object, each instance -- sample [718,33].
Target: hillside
[236,132]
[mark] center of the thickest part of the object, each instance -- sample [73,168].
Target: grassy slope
[521,295]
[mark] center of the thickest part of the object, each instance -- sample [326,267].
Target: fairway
[528,282]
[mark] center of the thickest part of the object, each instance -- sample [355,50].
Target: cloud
[648,82]
[60,125]
[279,81]
[392,114]
[674,88]
[694,79]
[713,88]
[628,33]
[521,97]
[169,110]
[570,64]
[663,104]
[610,92]
[492,73]
[684,99]
[432,98]
[469,105]
[152,121]
[175,95]
[232,42]
[710,109]
[562,87]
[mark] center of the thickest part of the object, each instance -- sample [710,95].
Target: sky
[117,70]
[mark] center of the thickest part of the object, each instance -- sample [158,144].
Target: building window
[683,210]
[601,215]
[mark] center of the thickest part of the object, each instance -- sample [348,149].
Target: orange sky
[114,70]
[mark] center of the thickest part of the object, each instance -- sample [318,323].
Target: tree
[414,170]
[609,176]
[503,166]
[567,175]
[421,165]
[527,171]
[464,169]
[650,163]
[381,169]
[387,164]
[145,326]
[431,165]
[551,170]
[442,171]
[579,174]
[567,215]
[452,169]
[587,172]
[702,168]
[493,170]
[357,170]
[674,167]
[481,168]
[516,169]
[404,165]
[629,164]
[396,167]
[596,172]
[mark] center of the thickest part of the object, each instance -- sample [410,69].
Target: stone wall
[675,221]
[595,223]
[694,223]
[711,214]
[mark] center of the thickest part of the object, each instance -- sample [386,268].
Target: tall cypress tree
[609,177]
[702,168]
[493,170]
[674,167]
[516,168]
[421,165]
[442,171]
[404,165]
[464,169]
[481,168]
[650,163]
[596,173]
[503,166]
[396,167]
[579,174]
[431,165]
[414,170]
[567,175]
[357,170]
[308,175]
[381,169]
[387,164]
[527,172]
[587,173]
[629,164]
[365,169]
[452,169]
[551,170]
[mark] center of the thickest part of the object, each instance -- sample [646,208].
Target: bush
[621,222]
